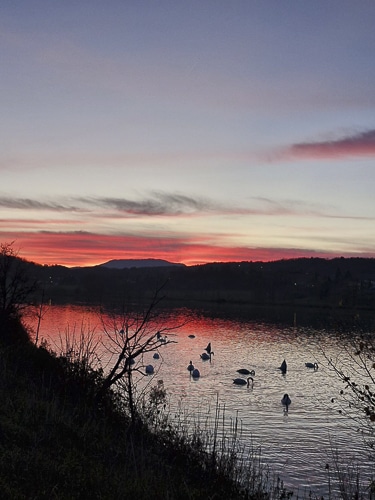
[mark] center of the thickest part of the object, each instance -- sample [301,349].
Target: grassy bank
[58,440]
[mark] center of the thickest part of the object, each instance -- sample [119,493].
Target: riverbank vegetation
[64,438]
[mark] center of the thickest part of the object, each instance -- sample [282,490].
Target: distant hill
[132,263]
[339,283]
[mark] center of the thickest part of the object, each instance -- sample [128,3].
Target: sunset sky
[192,131]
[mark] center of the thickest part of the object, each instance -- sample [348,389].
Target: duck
[286,401]
[312,365]
[242,381]
[149,369]
[191,336]
[195,373]
[245,371]
[190,366]
[156,355]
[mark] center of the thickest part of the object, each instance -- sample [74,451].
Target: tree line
[340,282]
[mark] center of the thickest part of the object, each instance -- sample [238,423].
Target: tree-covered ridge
[340,282]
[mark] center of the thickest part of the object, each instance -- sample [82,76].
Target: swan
[195,373]
[312,365]
[206,356]
[149,369]
[283,366]
[245,371]
[208,348]
[156,355]
[160,338]
[286,401]
[190,367]
[242,381]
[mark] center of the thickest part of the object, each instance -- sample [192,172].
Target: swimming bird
[245,371]
[206,356]
[286,401]
[160,337]
[156,355]
[149,369]
[191,336]
[312,365]
[190,367]
[195,373]
[208,348]
[242,381]
[283,366]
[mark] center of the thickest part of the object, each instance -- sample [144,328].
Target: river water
[303,446]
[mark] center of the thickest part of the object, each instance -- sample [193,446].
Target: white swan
[245,371]
[286,401]
[242,381]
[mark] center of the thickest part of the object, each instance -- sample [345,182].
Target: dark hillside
[342,283]
[130,263]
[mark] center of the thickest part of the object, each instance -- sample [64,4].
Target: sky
[197,131]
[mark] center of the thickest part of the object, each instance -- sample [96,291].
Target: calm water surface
[297,444]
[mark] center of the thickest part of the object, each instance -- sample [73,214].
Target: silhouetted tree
[356,368]
[126,341]
[16,287]
[15,284]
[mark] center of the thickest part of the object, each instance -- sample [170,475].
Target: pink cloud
[356,145]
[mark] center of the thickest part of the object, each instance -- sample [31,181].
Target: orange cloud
[87,249]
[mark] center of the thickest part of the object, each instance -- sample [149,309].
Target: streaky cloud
[175,205]
[361,144]
[158,204]
[301,208]
[28,203]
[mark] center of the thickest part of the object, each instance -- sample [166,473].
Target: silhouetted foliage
[137,334]
[355,366]
[336,283]
[16,289]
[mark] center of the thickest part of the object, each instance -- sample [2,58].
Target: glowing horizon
[82,250]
